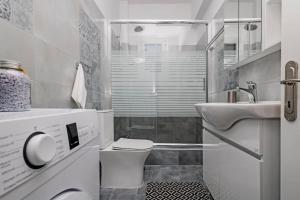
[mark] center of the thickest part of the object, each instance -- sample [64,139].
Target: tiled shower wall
[160,129]
[48,38]
[164,130]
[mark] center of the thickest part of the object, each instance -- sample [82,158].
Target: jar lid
[10,64]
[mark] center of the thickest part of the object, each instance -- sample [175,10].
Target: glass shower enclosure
[159,72]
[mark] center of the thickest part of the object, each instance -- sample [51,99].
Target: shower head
[250,27]
[138,29]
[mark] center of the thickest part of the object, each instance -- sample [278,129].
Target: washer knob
[39,150]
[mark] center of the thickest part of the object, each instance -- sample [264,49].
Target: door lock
[291,87]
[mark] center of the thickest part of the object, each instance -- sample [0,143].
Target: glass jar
[15,87]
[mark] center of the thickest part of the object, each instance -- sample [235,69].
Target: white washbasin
[224,115]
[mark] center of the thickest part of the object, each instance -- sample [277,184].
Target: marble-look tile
[50,45]
[51,95]
[155,173]
[162,173]
[17,45]
[54,24]
[22,14]
[125,191]
[124,197]
[52,61]
[266,73]
[68,10]
[106,194]
[120,194]
[161,129]
[5,9]
[190,157]
[18,12]
[263,70]
[135,128]
[220,78]
[87,76]
[232,79]
[269,91]
[89,41]
[90,57]
[121,127]
[177,130]
[163,157]
[191,173]
[169,173]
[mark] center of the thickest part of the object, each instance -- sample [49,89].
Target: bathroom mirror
[231,32]
[242,30]
[250,28]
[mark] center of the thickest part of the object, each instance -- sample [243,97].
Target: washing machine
[49,154]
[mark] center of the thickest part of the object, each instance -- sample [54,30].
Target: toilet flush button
[39,150]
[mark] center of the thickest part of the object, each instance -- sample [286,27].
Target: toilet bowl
[123,167]
[122,161]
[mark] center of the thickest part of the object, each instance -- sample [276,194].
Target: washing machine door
[72,195]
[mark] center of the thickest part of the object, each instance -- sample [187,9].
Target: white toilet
[122,162]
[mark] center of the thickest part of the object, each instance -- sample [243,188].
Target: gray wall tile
[5,9]
[22,14]
[160,129]
[46,37]
[163,157]
[266,73]
[18,12]
[17,45]
[190,157]
[175,157]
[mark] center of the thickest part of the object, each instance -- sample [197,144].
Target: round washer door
[73,195]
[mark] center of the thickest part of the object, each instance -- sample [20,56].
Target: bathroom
[168,99]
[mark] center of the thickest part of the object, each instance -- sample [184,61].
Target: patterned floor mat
[177,191]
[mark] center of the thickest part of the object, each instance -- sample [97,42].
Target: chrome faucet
[251,91]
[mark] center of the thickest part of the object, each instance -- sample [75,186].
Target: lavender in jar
[15,87]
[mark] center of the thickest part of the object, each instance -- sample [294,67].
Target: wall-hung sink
[224,115]
[245,162]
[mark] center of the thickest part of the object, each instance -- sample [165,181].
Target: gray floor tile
[123,197]
[125,191]
[156,173]
[106,194]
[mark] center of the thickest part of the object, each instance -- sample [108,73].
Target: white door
[290,131]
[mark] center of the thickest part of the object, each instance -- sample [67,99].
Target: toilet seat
[132,144]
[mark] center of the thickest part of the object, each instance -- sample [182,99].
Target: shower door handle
[204,84]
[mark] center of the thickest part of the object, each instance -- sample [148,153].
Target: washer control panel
[30,145]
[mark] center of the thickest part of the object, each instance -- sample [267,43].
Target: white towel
[79,92]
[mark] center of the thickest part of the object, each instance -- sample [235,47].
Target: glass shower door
[159,73]
[134,96]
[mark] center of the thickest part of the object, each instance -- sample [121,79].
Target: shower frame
[166,146]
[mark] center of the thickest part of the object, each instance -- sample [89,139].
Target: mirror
[242,30]
[231,32]
[250,26]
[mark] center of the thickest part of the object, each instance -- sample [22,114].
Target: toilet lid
[132,144]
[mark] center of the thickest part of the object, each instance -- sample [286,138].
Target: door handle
[290,81]
[204,84]
[291,87]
